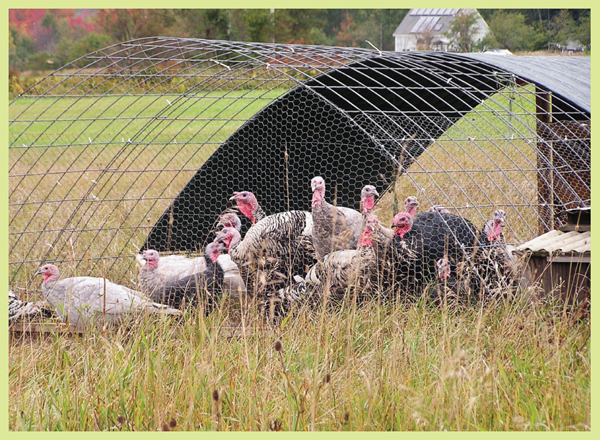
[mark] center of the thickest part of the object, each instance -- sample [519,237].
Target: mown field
[87,201]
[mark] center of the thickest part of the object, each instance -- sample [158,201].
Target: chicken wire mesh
[141,145]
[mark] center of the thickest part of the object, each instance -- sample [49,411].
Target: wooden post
[543,108]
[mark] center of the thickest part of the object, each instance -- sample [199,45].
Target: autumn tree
[128,24]
[349,34]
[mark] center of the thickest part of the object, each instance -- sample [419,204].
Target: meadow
[87,202]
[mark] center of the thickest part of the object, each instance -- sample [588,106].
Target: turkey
[382,237]
[367,202]
[439,208]
[157,270]
[422,240]
[273,251]
[340,272]
[492,261]
[448,288]
[232,281]
[410,205]
[18,309]
[248,205]
[292,231]
[206,285]
[335,228]
[230,220]
[83,301]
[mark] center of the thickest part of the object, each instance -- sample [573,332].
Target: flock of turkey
[300,258]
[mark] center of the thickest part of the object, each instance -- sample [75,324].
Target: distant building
[425,29]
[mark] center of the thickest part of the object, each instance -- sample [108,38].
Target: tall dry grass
[522,364]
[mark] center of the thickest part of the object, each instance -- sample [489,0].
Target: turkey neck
[49,281]
[367,205]
[318,198]
[259,214]
[365,239]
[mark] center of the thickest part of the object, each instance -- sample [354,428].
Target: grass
[518,365]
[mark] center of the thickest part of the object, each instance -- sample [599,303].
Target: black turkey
[422,240]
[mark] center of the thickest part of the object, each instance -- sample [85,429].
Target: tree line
[46,39]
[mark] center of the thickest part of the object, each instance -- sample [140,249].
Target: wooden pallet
[38,328]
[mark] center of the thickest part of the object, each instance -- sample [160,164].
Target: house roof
[420,20]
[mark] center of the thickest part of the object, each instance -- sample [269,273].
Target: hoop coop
[141,144]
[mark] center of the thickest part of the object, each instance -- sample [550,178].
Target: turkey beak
[39,271]
[234,196]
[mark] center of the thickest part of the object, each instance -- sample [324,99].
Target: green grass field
[90,176]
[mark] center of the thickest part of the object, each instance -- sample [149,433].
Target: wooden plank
[39,327]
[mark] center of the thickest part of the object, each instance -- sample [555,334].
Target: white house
[425,29]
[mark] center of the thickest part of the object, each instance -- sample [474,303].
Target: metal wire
[141,144]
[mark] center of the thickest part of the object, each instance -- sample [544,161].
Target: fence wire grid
[141,145]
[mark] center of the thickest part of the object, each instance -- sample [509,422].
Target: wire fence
[141,144]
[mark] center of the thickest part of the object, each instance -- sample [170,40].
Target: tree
[563,28]
[258,24]
[462,32]
[511,32]
[425,39]
[203,23]
[349,35]
[128,24]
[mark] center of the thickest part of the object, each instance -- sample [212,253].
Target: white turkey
[156,270]
[335,228]
[203,287]
[18,309]
[84,301]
